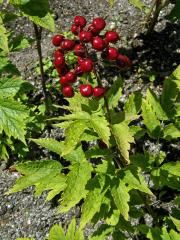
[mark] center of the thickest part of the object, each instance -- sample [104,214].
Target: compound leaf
[133,103]
[171,131]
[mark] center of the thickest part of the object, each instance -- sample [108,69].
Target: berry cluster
[89,35]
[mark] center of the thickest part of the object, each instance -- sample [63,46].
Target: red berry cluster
[90,34]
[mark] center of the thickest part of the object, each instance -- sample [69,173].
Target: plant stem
[43,79]
[158,5]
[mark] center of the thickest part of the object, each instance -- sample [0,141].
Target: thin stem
[43,79]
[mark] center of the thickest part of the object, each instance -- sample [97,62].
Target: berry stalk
[43,79]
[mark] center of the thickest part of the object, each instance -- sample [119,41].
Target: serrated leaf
[3,38]
[155,103]
[79,235]
[135,180]
[137,3]
[150,119]
[73,135]
[137,132]
[172,167]
[71,230]
[133,103]
[171,131]
[102,232]
[74,116]
[174,235]
[101,127]
[114,94]
[35,173]
[77,178]
[38,12]
[93,201]
[51,144]
[176,222]
[123,139]
[9,86]
[57,233]
[170,92]
[19,42]
[121,198]
[12,118]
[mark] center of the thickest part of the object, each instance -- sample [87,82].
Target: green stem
[43,79]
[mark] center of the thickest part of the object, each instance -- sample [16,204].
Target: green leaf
[19,2]
[155,103]
[176,222]
[170,93]
[174,235]
[121,198]
[93,200]
[135,180]
[79,235]
[172,167]
[137,132]
[3,38]
[101,127]
[77,178]
[71,230]
[12,118]
[150,119]
[171,131]
[102,232]
[175,13]
[137,4]
[57,233]
[19,42]
[133,103]
[35,173]
[123,139]
[73,135]
[51,144]
[9,86]
[115,92]
[38,12]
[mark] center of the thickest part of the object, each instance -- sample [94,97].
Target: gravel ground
[22,215]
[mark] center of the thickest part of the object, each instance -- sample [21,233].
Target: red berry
[78,71]
[98,43]
[67,44]
[123,61]
[79,50]
[93,30]
[85,36]
[68,91]
[86,90]
[99,91]
[80,60]
[59,61]
[70,77]
[57,39]
[74,29]
[98,23]
[86,65]
[112,53]
[58,53]
[80,21]
[111,36]
[63,81]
